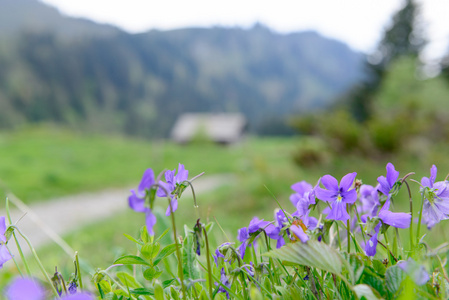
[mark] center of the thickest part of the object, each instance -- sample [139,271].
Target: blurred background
[272,93]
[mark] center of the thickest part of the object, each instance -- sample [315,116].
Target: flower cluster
[142,200]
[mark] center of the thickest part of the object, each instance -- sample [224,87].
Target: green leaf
[128,280]
[168,282]
[158,292]
[133,239]
[393,279]
[166,251]
[313,254]
[131,260]
[144,236]
[152,273]
[379,267]
[149,251]
[363,290]
[162,235]
[371,278]
[174,293]
[143,292]
[190,265]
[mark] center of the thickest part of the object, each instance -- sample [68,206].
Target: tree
[404,37]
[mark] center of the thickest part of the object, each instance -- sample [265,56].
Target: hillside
[96,77]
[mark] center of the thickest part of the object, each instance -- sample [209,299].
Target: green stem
[14,260]
[348,233]
[338,235]
[78,270]
[209,268]
[38,260]
[360,223]
[22,256]
[420,219]
[412,246]
[178,252]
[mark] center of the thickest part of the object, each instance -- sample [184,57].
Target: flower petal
[301,187]
[392,175]
[299,233]
[349,196]
[325,195]
[398,220]
[384,186]
[174,206]
[433,174]
[182,175]
[338,212]
[329,182]
[371,245]
[136,203]
[25,288]
[150,221]
[347,181]
[147,181]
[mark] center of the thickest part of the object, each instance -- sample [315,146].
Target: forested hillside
[86,75]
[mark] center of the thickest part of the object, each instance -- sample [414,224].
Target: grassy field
[40,164]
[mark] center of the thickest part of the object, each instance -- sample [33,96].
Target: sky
[359,23]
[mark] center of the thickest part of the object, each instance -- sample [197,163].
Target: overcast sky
[357,22]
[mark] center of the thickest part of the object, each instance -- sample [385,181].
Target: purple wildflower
[387,183]
[218,253]
[416,271]
[25,289]
[369,198]
[436,202]
[171,184]
[28,289]
[301,188]
[225,281]
[337,195]
[299,233]
[137,199]
[2,230]
[398,220]
[244,233]
[4,255]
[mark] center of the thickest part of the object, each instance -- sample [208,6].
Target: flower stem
[78,271]
[209,268]
[420,219]
[17,241]
[412,246]
[348,232]
[178,252]
[37,260]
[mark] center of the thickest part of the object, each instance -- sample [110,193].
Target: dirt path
[48,221]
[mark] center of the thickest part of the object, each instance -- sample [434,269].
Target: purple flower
[24,289]
[371,245]
[254,226]
[299,233]
[28,289]
[337,195]
[218,253]
[2,230]
[387,183]
[172,183]
[225,281]
[4,255]
[137,199]
[398,220]
[369,198]
[436,202]
[416,271]
[301,188]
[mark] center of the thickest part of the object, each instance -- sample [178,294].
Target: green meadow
[44,163]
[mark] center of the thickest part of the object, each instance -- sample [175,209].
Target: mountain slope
[100,78]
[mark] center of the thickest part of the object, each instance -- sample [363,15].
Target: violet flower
[225,281]
[387,183]
[2,230]
[369,198]
[172,183]
[436,199]
[28,289]
[301,188]
[244,234]
[299,233]
[416,271]
[137,199]
[218,253]
[4,255]
[338,195]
